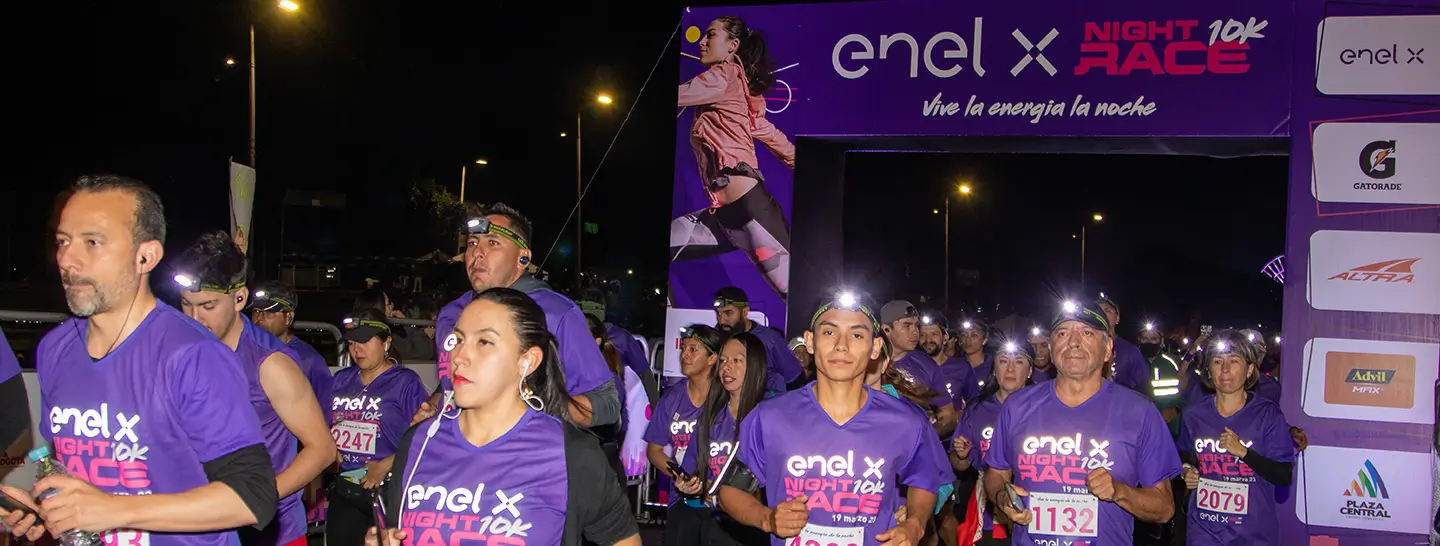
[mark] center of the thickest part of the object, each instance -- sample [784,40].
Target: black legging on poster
[753,223]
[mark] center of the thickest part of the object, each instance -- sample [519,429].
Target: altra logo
[1377,159]
[1368,484]
[1386,272]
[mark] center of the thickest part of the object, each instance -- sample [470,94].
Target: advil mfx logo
[1377,159]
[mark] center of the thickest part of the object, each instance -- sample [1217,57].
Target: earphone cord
[429,433]
[128,310]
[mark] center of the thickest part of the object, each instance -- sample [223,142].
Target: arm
[598,407]
[658,458]
[994,483]
[1272,471]
[235,497]
[774,140]
[290,395]
[746,509]
[706,88]
[921,503]
[1154,504]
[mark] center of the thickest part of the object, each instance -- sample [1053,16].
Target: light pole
[964,190]
[287,5]
[462,236]
[1097,217]
[481,162]
[604,100]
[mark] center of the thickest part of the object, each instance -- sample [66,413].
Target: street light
[462,178]
[965,191]
[229,61]
[604,100]
[1097,217]
[287,5]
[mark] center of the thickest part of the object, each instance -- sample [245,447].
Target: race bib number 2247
[355,436]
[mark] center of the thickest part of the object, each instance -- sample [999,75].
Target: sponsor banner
[1054,68]
[1362,380]
[242,203]
[1378,162]
[1364,489]
[675,319]
[1385,55]
[1385,272]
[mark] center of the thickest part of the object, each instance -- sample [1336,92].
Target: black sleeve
[1190,458]
[14,411]
[394,493]
[248,473]
[597,509]
[1277,473]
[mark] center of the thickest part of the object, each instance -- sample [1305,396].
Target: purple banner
[1361,337]
[1054,68]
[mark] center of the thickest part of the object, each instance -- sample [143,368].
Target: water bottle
[45,465]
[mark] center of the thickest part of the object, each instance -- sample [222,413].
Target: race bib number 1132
[822,535]
[1059,514]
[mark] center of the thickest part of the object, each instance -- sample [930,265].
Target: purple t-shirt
[722,445]
[370,419]
[783,366]
[9,366]
[145,418]
[1132,371]
[956,373]
[1268,388]
[1050,448]
[979,375]
[511,491]
[851,473]
[1195,391]
[282,446]
[978,426]
[632,353]
[923,369]
[1233,504]
[672,424]
[584,365]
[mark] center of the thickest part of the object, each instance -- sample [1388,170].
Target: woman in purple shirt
[1237,449]
[1011,372]
[673,421]
[509,465]
[736,386]
[373,402]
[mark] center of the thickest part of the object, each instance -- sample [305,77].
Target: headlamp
[1069,307]
[1149,327]
[926,320]
[259,294]
[192,283]
[967,325]
[1250,337]
[1010,347]
[846,300]
[482,225]
[351,323]
[1035,331]
[1277,339]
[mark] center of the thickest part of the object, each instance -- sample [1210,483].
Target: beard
[931,349]
[727,328]
[84,296]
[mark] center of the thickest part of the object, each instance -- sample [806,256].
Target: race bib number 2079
[823,535]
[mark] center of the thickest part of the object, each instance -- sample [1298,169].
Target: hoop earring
[528,395]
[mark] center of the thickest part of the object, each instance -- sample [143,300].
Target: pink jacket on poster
[727,121]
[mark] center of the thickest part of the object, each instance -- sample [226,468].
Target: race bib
[823,535]
[1223,497]
[125,537]
[1060,514]
[355,436]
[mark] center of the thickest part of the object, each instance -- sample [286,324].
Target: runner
[497,252]
[1237,448]
[974,335]
[732,314]
[1164,377]
[833,455]
[374,400]
[736,386]
[1087,456]
[272,307]
[1043,361]
[672,423]
[14,400]
[508,466]
[213,292]
[132,376]
[1013,371]
[901,324]
[1128,366]
[1265,386]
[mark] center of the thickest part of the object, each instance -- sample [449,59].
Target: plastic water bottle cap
[38,453]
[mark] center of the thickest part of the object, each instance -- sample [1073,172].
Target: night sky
[364,97]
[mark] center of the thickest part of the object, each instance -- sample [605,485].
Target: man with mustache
[1085,456]
[1043,363]
[732,315]
[132,376]
[497,252]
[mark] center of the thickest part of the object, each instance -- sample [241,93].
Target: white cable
[614,138]
[429,433]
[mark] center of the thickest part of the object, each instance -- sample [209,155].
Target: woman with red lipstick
[736,386]
[511,463]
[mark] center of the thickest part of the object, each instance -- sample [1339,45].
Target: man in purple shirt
[1131,368]
[146,408]
[497,253]
[901,323]
[732,312]
[1086,457]
[272,307]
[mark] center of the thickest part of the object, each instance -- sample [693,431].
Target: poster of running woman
[1355,87]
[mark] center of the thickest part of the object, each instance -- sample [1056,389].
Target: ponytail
[753,55]
[548,383]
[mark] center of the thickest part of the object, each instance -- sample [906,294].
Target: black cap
[361,330]
[974,324]
[273,297]
[933,318]
[731,295]
[1106,300]
[1090,315]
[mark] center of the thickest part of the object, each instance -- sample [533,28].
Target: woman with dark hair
[611,435]
[1012,371]
[674,418]
[410,342]
[373,400]
[1236,447]
[729,117]
[736,386]
[510,459]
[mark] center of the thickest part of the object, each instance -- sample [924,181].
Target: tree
[439,211]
